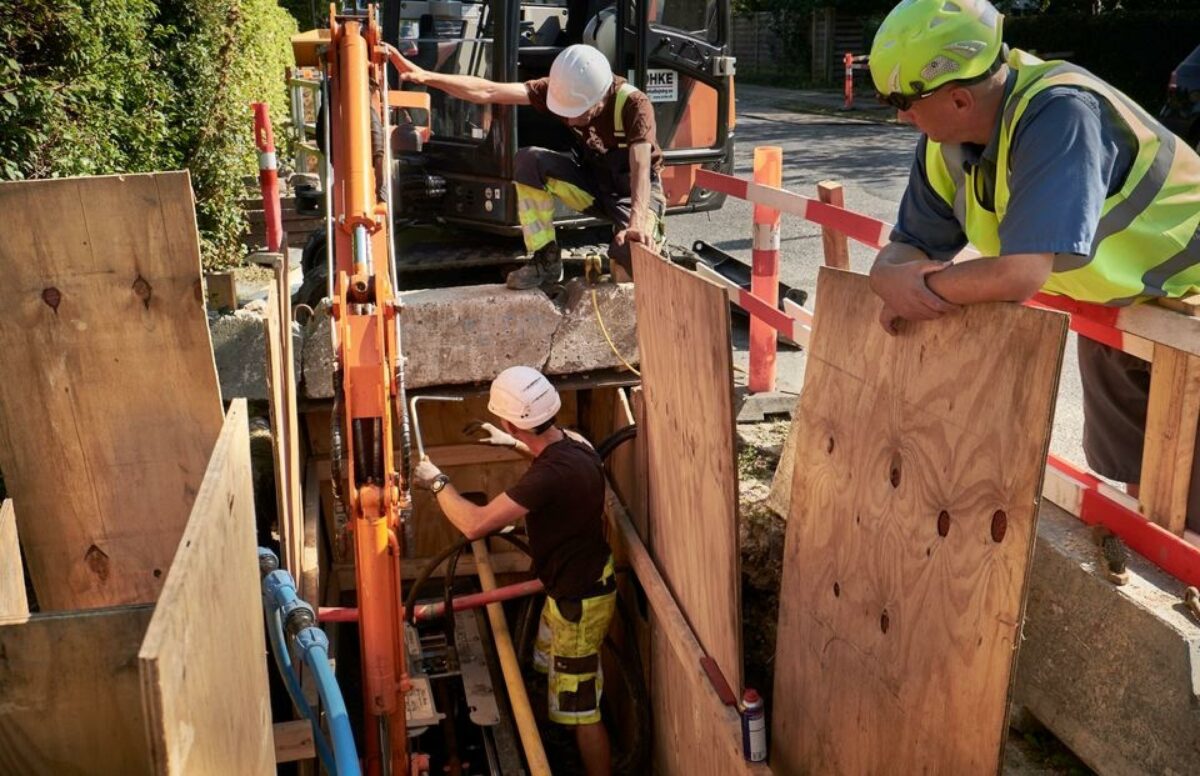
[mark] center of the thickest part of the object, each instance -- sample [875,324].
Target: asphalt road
[871,160]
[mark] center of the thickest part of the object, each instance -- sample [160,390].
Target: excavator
[450,163]
[399,166]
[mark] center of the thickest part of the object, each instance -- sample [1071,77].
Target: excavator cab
[676,51]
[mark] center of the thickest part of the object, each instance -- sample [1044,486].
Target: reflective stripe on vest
[1147,241]
[623,93]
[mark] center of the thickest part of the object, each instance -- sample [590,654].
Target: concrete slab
[579,345]
[454,336]
[239,342]
[1112,671]
[459,336]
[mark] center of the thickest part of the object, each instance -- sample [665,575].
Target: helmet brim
[559,109]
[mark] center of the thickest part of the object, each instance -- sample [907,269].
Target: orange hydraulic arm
[368,379]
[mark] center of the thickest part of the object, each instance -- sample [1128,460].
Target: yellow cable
[611,344]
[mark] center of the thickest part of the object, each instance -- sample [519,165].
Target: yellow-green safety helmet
[923,44]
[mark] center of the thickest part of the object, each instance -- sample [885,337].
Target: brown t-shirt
[599,136]
[564,493]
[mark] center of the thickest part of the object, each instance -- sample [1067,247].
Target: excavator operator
[614,171]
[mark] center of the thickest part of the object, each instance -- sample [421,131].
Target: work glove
[425,473]
[494,436]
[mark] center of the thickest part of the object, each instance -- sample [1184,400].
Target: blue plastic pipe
[315,645]
[282,604]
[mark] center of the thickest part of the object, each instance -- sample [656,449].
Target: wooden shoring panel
[13,601]
[687,381]
[285,424]
[204,677]
[69,694]
[918,473]
[109,404]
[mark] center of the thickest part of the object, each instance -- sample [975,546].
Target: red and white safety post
[849,61]
[268,176]
[764,273]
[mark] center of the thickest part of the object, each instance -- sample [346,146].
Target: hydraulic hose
[615,440]
[314,644]
[286,612]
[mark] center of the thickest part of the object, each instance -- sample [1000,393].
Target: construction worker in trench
[613,173]
[561,497]
[1062,182]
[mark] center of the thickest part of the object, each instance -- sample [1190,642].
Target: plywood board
[69,695]
[109,404]
[687,382]
[13,601]
[919,461]
[204,679]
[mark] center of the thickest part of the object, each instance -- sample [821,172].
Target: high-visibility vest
[1147,243]
[623,93]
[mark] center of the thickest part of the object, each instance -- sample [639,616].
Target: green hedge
[1133,51]
[104,86]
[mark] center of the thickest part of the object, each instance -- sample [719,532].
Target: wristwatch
[438,483]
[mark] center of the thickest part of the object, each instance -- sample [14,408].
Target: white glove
[495,436]
[425,473]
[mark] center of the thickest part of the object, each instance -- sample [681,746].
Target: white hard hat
[601,33]
[524,397]
[579,78]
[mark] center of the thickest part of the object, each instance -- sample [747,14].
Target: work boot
[543,268]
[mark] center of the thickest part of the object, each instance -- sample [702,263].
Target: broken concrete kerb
[459,336]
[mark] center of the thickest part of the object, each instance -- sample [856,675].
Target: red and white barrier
[1096,503]
[851,63]
[1083,494]
[268,176]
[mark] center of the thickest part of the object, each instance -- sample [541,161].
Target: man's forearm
[464,87]
[462,513]
[1013,278]
[639,184]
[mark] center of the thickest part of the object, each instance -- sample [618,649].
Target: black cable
[614,440]
[437,560]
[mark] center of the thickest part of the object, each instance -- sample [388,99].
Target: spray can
[754,727]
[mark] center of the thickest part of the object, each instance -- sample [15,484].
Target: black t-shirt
[564,493]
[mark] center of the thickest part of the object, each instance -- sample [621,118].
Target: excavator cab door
[677,52]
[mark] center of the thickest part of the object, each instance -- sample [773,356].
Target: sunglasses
[905,101]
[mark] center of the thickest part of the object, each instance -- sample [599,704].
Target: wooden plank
[220,291]
[69,693]
[294,741]
[204,677]
[913,514]
[687,381]
[1159,325]
[701,735]
[310,562]
[285,425]
[13,601]
[837,248]
[109,404]
[1170,437]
